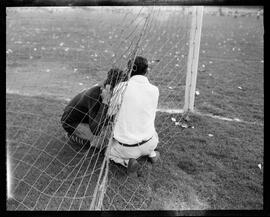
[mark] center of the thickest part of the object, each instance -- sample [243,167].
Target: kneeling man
[86,114]
[134,133]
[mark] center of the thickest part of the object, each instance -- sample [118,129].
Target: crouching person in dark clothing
[85,117]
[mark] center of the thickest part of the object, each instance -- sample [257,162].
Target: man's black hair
[139,67]
[114,76]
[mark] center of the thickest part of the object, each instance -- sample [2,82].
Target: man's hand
[106,94]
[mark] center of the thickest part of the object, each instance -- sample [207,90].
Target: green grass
[196,171]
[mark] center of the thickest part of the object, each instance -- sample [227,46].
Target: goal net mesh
[52,54]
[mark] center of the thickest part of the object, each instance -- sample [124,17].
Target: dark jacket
[86,107]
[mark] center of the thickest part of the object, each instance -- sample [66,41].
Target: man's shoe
[132,167]
[156,158]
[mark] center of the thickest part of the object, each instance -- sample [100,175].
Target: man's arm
[108,108]
[116,98]
[101,120]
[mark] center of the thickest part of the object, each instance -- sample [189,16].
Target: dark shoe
[132,167]
[156,158]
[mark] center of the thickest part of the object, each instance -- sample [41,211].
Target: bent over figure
[86,114]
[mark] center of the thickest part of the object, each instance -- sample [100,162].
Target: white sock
[153,154]
[125,163]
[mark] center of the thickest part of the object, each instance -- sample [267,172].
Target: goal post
[193,58]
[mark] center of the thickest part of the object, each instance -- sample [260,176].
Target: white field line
[229,119]
[169,111]
[179,111]
[12,91]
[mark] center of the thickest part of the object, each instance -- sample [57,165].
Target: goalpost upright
[193,57]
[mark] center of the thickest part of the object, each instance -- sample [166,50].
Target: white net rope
[53,54]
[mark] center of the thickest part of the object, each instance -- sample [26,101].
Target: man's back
[87,101]
[137,112]
[83,108]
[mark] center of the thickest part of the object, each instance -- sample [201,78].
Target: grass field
[53,55]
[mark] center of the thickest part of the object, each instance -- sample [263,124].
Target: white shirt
[136,118]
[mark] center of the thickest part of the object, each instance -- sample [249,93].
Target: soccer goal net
[55,53]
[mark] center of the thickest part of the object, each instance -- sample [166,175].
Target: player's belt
[134,145]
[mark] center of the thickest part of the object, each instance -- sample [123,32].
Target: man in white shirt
[134,134]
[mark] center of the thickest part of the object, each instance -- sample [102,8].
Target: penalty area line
[180,111]
[169,111]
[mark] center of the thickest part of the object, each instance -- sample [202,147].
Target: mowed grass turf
[230,77]
[66,51]
[196,172]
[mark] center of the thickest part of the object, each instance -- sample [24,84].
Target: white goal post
[193,57]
